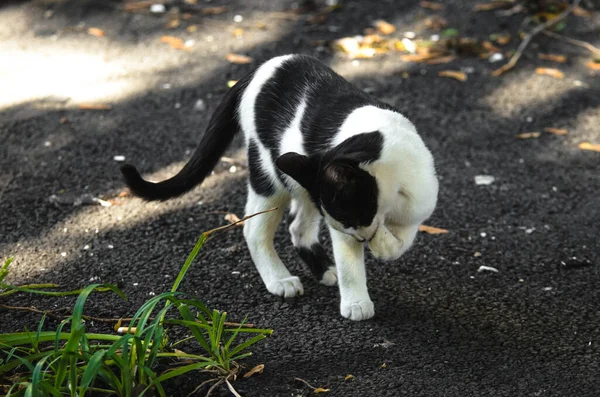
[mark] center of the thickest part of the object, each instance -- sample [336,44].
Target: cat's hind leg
[259,233]
[304,230]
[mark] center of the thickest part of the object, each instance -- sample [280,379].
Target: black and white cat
[331,150]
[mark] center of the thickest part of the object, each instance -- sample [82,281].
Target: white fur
[408,190]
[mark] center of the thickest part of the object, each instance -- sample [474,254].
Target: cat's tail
[221,130]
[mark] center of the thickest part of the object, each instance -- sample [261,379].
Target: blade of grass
[92,368]
[246,344]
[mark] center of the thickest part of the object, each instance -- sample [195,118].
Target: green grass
[77,363]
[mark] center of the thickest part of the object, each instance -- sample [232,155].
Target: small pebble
[119,158]
[497,57]
[200,105]
[177,105]
[487,269]
[158,8]
[110,246]
[86,247]
[63,254]
[238,18]
[233,169]
[410,35]
[484,179]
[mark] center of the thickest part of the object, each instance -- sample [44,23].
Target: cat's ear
[340,174]
[302,169]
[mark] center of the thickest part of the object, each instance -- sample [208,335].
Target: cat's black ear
[340,175]
[299,167]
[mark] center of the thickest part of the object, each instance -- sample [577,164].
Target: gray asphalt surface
[441,327]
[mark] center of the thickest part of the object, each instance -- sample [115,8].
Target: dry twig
[579,43]
[538,29]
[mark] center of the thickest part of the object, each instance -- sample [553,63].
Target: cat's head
[344,193]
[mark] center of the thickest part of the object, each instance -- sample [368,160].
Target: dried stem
[538,29]
[580,43]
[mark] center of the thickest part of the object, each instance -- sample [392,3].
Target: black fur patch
[316,259]
[260,182]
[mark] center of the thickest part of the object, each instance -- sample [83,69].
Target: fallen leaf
[491,5]
[383,366]
[238,59]
[431,5]
[191,28]
[556,131]
[232,218]
[174,42]
[96,32]
[593,65]
[455,74]
[477,254]
[124,193]
[552,57]
[557,74]
[173,23]
[117,325]
[383,27]
[256,370]
[500,38]
[64,120]
[139,5]
[489,47]
[581,12]
[239,32]
[348,377]
[321,390]
[590,146]
[528,135]
[214,10]
[94,106]
[435,22]
[444,59]
[186,16]
[432,230]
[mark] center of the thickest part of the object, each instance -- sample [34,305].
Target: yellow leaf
[231,83]
[436,22]
[191,28]
[593,65]
[431,5]
[383,27]
[444,59]
[173,23]
[556,131]
[174,42]
[383,366]
[213,10]
[117,325]
[238,59]
[256,370]
[581,12]
[432,230]
[553,57]
[502,39]
[238,32]
[94,106]
[96,32]
[557,74]
[528,135]
[460,76]
[321,390]
[590,146]
[349,377]
[491,5]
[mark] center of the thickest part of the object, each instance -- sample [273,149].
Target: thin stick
[305,382]
[580,43]
[235,224]
[513,60]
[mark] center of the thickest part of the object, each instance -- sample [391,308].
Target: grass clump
[79,363]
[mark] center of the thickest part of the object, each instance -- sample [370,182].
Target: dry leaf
[489,47]
[431,5]
[64,120]
[186,16]
[528,135]
[383,366]
[174,42]
[436,22]
[348,377]
[557,74]
[94,106]
[593,65]
[124,193]
[556,131]
[213,10]
[239,32]
[502,39]
[238,59]
[491,5]
[232,218]
[553,57]
[321,390]
[455,74]
[590,146]
[191,28]
[256,370]
[444,59]
[96,32]
[139,5]
[173,23]
[383,27]
[432,230]
[581,12]
[117,325]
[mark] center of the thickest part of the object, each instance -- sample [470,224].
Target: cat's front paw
[287,287]
[358,310]
[329,277]
[385,245]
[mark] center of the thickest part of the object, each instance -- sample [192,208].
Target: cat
[333,152]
